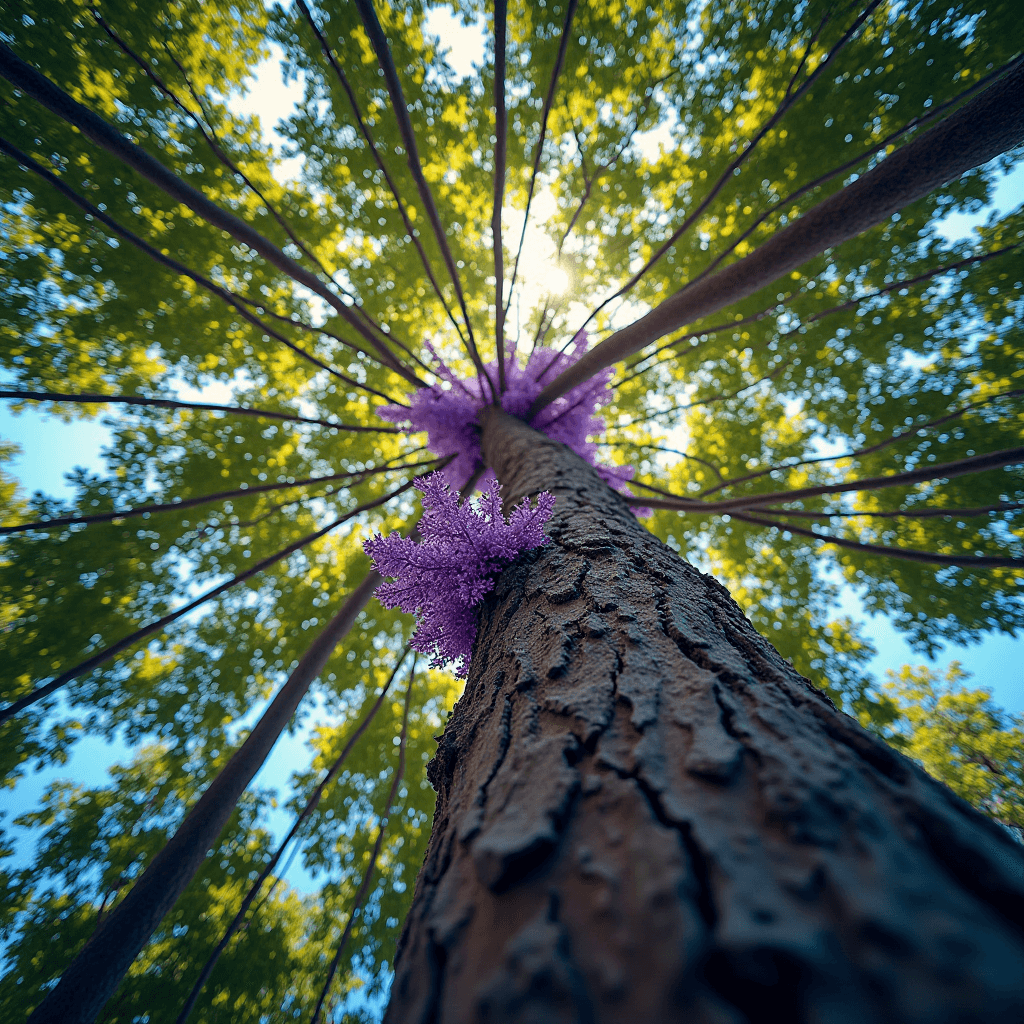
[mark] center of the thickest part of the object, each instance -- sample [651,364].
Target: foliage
[443,577]
[962,737]
[895,350]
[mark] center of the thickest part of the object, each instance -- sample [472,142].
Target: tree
[837,381]
[961,737]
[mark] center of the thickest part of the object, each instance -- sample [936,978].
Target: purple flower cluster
[448,411]
[444,577]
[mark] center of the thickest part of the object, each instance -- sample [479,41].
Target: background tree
[301,305]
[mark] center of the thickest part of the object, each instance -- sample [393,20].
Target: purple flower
[448,412]
[444,577]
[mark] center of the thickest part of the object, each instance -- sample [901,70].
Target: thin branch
[158,625]
[916,428]
[23,76]
[260,305]
[987,125]
[788,100]
[908,554]
[166,403]
[590,178]
[660,448]
[204,499]
[942,471]
[210,137]
[179,268]
[364,886]
[924,513]
[849,304]
[500,160]
[538,152]
[365,131]
[311,804]
[875,147]
[380,46]
[96,971]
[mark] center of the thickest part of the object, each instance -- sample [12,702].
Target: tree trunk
[645,814]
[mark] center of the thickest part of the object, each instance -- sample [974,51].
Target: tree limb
[23,76]
[985,126]
[908,554]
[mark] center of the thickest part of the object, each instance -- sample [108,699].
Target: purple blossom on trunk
[443,578]
[447,411]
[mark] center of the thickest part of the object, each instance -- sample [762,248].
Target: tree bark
[645,814]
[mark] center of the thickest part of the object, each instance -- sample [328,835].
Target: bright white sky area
[51,448]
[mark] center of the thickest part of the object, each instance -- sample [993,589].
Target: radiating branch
[661,448]
[23,76]
[179,268]
[364,889]
[908,554]
[365,132]
[941,471]
[108,652]
[910,431]
[205,499]
[985,126]
[98,968]
[211,139]
[841,307]
[166,403]
[500,161]
[261,307]
[875,147]
[538,152]
[268,868]
[791,97]
[380,46]
[364,886]
[912,513]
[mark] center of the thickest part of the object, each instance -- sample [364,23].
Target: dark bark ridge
[645,814]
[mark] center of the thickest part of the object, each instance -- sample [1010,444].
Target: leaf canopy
[891,352]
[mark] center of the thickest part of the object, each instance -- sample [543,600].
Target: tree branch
[924,513]
[99,967]
[556,72]
[380,46]
[166,403]
[311,804]
[870,449]
[364,886]
[875,147]
[23,76]
[788,100]
[159,624]
[942,471]
[850,304]
[365,131]
[179,268]
[212,141]
[500,161]
[981,129]
[908,554]
[204,499]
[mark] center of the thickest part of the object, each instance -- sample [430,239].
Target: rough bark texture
[645,814]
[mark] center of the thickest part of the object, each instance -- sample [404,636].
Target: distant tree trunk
[644,814]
